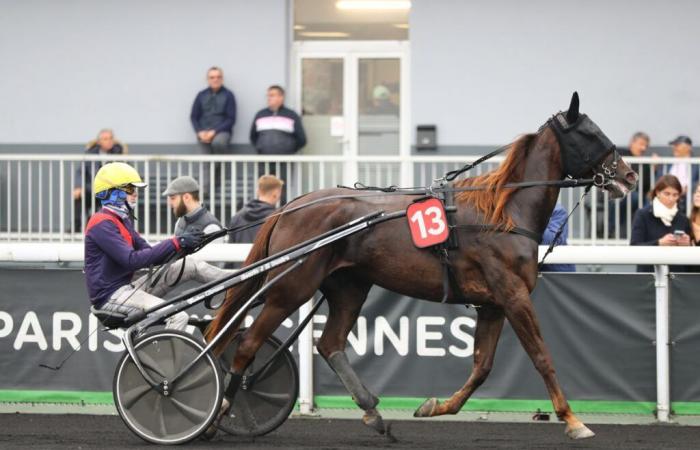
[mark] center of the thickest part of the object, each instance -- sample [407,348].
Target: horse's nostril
[632,177]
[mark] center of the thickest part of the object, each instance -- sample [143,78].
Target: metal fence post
[306,363]
[663,385]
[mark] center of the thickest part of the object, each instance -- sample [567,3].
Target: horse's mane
[491,202]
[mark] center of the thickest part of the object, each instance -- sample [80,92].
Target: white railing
[37,203]
[660,257]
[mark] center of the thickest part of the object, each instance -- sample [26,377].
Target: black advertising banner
[599,329]
[685,338]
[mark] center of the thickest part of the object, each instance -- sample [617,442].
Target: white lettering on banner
[434,335]
[319,319]
[468,339]
[117,347]
[36,336]
[92,329]
[7,324]
[70,334]
[423,336]
[359,342]
[400,339]
[383,328]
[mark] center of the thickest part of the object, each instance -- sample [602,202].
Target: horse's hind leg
[488,329]
[521,315]
[346,295]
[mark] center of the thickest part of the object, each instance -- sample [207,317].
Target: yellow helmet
[116,175]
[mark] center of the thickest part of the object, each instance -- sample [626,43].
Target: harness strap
[492,227]
[100,217]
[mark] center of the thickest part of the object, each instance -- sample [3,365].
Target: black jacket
[277,133]
[647,230]
[252,212]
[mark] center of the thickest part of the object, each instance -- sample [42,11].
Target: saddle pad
[428,222]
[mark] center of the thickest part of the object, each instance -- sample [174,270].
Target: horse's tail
[238,294]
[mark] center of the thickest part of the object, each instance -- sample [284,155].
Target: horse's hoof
[211,431]
[428,408]
[582,432]
[373,420]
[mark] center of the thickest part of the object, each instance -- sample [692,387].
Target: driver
[114,251]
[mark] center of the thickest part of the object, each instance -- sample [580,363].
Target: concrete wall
[69,68]
[485,71]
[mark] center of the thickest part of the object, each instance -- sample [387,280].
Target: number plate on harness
[427,222]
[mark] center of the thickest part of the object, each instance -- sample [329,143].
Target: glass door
[322,105]
[352,98]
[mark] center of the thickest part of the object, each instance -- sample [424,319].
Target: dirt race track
[38,431]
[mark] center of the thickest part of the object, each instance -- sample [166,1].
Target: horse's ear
[572,113]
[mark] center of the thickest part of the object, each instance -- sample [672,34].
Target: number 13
[437,225]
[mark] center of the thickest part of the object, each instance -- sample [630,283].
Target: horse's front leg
[488,329]
[521,315]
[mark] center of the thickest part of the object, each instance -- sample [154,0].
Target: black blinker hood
[582,144]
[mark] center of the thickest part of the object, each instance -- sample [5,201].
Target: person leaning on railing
[104,144]
[661,222]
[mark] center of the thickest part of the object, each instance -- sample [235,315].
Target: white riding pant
[141,295]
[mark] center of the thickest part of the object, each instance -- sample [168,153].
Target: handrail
[216,252]
[291,158]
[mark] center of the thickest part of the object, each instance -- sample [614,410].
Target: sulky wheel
[267,396]
[193,402]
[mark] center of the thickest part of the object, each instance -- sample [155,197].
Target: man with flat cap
[687,174]
[183,199]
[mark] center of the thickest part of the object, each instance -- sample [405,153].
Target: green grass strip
[80,397]
[686,408]
[503,405]
[403,403]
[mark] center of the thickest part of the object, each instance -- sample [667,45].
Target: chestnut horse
[495,270]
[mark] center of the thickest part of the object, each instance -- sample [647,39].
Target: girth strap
[491,227]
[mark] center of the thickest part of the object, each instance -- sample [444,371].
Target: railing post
[306,363]
[350,171]
[663,386]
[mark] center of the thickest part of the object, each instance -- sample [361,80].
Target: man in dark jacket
[269,193]
[214,114]
[277,130]
[183,199]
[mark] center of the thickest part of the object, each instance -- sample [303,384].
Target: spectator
[382,103]
[559,217]
[639,143]
[183,199]
[687,175]
[268,194]
[695,218]
[277,130]
[661,223]
[105,144]
[214,114]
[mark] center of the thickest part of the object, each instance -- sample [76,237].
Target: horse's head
[587,152]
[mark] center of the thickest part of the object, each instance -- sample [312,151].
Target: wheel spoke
[130,397]
[270,370]
[150,364]
[195,378]
[246,414]
[175,357]
[194,415]
[269,397]
[158,411]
